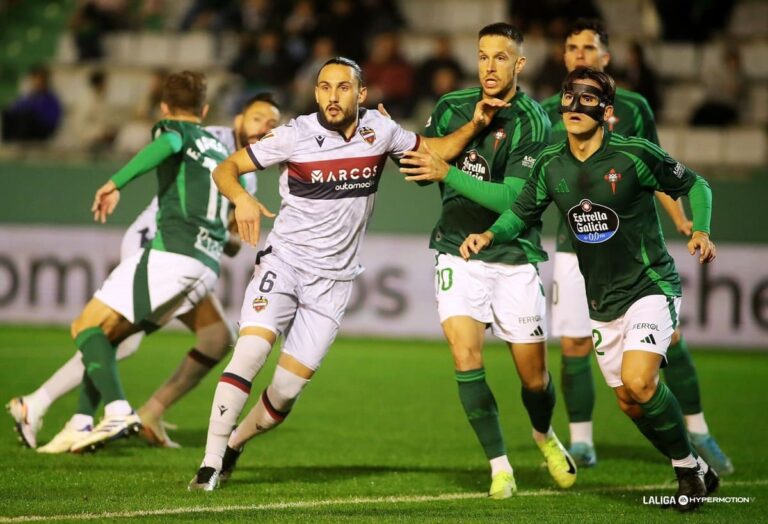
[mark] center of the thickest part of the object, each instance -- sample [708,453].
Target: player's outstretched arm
[107,196]
[676,212]
[248,210]
[450,146]
[700,196]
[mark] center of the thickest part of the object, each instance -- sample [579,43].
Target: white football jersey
[328,186]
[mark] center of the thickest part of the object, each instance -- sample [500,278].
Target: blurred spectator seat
[749,19]
[755,59]
[680,99]
[195,50]
[452,16]
[675,60]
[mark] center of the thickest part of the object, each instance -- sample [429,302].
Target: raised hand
[700,242]
[475,243]
[485,110]
[105,201]
[427,165]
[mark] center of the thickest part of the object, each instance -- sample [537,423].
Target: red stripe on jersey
[338,169]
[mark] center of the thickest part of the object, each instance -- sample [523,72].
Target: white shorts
[306,308]
[155,286]
[508,297]
[647,325]
[570,311]
[140,232]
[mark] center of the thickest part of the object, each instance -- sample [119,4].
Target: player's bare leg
[579,394]
[214,338]
[538,395]
[466,336]
[273,406]
[251,351]
[655,411]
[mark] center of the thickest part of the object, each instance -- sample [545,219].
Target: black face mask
[595,112]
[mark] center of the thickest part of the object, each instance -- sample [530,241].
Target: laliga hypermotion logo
[368,134]
[613,178]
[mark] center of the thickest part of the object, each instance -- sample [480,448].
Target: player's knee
[535,382]
[640,388]
[249,356]
[576,347]
[285,389]
[465,360]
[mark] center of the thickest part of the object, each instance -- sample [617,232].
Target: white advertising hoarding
[48,273]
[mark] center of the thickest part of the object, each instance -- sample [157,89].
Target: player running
[632,286]
[331,163]
[587,46]
[259,115]
[168,278]
[501,288]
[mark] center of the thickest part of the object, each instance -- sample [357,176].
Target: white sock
[232,392]
[581,432]
[687,462]
[500,464]
[541,437]
[702,465]
[696,423]
[79,421]
[40,399]
[118,408]
[64,380]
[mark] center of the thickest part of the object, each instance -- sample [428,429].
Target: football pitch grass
[378,436]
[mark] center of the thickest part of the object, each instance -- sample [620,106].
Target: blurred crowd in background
[409,60]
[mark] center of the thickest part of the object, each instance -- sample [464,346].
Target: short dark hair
[590,24]
[265,96]
[502,29]
[185,91]
[341,60]
[604,80]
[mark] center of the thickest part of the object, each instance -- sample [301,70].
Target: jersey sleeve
[165,144]
[400,140]
[435,127]
[274,147]
[527,208]
[672,177]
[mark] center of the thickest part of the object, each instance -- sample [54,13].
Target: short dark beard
[336,127]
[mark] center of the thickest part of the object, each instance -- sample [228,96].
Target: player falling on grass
[259,115]
[632,286]
[331,165]
[500,288]
[167,279]
[587,46]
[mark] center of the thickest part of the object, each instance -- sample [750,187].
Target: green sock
[578,388]
[481,410]
[646,428]
[540,405]
[89,397]
[681,378]
[100,363]
[662,412]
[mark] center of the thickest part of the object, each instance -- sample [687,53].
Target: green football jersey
[508,147]
[608,205]
[632,117]
[191,216]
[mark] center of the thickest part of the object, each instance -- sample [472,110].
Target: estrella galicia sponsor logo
[473,163]
[592,223]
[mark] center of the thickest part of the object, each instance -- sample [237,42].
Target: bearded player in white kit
[331,163]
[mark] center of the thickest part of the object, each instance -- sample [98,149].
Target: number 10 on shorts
[444,279]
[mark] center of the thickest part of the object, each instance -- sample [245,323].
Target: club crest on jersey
[592,223]
[498,136]
[368,134]
[473,163]
[259,304]
[613,178]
